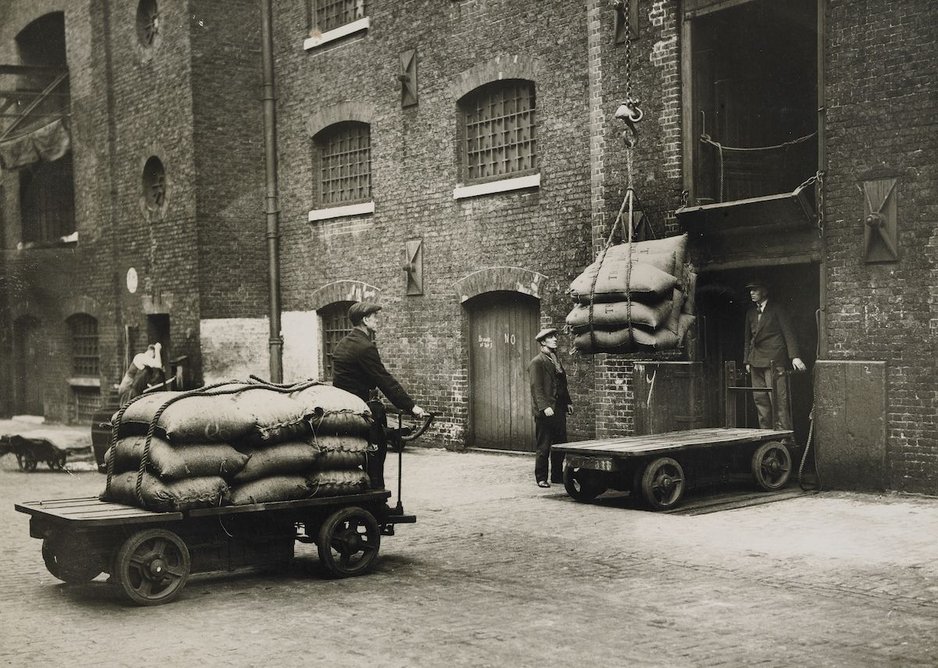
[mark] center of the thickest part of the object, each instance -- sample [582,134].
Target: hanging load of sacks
[635,296]
[237,443]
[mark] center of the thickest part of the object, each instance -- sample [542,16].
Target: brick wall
[423,339]
[881,102]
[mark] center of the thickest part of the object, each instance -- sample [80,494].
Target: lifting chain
[819,201]
[629,110]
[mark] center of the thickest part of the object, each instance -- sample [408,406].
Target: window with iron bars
[83,330]
[330,14]
[497,131]
[342,156]
[87,400]
[335,325]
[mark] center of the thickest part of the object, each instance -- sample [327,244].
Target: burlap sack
[675,247]
[625,340]
[340,452]
[169,462]
[196,418]
[349,424]
[290,457]
[184,494]
[274,488]
[336,483]
[645,283]
[612,315]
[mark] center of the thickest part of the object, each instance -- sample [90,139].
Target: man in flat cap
[550,400]
[768,344]
[357,368]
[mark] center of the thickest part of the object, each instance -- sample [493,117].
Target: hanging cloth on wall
[47,143]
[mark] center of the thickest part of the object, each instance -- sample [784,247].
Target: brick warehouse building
[471,255]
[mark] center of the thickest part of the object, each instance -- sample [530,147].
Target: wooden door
[502,326]
[669,396]
[27,351]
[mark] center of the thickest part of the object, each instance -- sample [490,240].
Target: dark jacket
[770,338]
[548,387]
[357,368]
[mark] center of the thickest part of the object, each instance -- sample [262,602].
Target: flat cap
[544,333]
[360,310]
[756,283]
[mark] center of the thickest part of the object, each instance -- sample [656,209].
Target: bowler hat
[360,310]
[544,333]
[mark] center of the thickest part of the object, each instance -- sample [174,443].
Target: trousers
[549,431]
[765,401]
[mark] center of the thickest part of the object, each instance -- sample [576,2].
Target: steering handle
[428,418]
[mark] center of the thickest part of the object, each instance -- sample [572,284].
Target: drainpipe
[273,204]
[822,168]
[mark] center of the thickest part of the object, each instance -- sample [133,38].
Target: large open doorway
[502,326]
[722,302]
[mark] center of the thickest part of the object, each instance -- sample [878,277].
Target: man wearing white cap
[550,400]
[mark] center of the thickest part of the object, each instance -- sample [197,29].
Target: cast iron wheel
[771,466]
[152,567]
[663,483]
[348,542]
[582,484]
[71,571]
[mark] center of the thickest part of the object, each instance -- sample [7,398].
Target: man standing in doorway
[357,368]
[550,400]
[769,344]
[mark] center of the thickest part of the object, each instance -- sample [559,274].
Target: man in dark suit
[357,368]
[769,344]
[550,401]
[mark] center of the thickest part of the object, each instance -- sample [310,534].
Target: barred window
[342,157]
[47,200]
[335,325]
[498,131]
[83,330]
[330,14]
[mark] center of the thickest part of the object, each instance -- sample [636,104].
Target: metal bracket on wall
[880,220]
[413,266]
[408,78]
[623,6]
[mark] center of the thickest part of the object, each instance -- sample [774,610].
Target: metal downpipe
[273,205]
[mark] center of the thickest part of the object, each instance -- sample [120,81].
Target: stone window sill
[362,209]
[337,33]
[84,381]
[504,185]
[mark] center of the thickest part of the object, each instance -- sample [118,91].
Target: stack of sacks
[237,443]
[651,297]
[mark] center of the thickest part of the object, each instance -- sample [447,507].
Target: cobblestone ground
[500,573]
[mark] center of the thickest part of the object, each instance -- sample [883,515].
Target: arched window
[83,335]
[496,131]
[335,325]
[342,164]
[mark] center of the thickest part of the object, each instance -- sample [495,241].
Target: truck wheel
[76,570]
[771,466]
[348,542]
[152,567]
[582,484]
[663,483]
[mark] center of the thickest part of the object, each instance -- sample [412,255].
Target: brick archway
[344,291]
[491,279]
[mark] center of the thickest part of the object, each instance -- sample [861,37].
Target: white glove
[418,412]
[798,364]
[548,411]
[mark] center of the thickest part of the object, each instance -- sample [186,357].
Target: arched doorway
[27,353]
[502,326]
